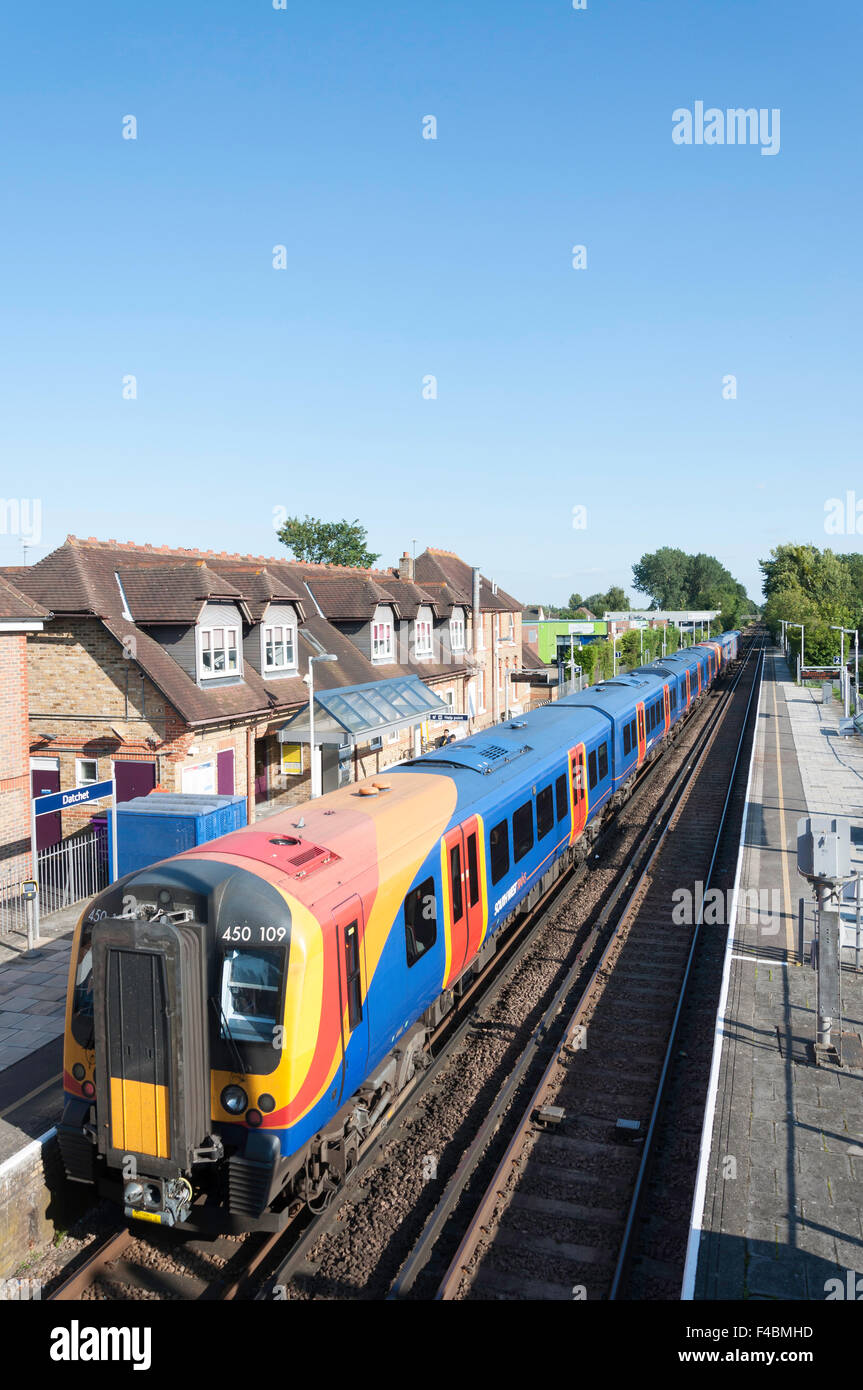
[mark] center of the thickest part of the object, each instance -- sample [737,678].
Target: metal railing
[13,908]
[71,871]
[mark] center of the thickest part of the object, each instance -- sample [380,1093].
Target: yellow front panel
[139,1118]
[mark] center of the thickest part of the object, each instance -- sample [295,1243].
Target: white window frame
[456,630]
[80,779]
[289,637]
[382,645]
[394,736]
[209,631]
[423,625]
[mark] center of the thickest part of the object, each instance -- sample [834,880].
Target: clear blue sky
[406,257]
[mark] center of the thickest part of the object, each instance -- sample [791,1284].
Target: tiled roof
[176,593]
[81,577]
[16,606]
[343,598]
[444,565]
[410,597]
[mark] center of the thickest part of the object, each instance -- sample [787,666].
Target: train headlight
[234,1100]
[133,1193]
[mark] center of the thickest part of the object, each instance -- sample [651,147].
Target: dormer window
[219,652]
[456,630]
[423,633]
[279,648]
[382,635]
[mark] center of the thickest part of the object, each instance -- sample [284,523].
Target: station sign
[449,718]
[77,796]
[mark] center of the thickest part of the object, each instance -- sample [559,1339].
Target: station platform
[32,1013]
[779,1194]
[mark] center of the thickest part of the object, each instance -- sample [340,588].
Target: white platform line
[30,1151]
[687,1291]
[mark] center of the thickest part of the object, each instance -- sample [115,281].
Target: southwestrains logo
[77,1343]
[735,126]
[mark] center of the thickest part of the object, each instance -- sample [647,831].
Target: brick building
[181,669]
[19,617]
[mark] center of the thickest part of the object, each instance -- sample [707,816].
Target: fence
[13,909]
[67,873]
[71,871]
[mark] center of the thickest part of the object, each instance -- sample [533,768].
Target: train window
[627,740]
[603,761]
[544,813]
[591,768]
[499,847]
[560,797]
[522,831]
[633,735]
[472,871]
[352,976]
[420,921]
[455,882]
[250,995]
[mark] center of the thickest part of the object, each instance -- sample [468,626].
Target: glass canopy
[355,713]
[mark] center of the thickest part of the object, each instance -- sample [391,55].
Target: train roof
[496,751]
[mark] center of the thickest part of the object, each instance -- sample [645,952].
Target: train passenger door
[642,736]
[666,700]
[578,790]
[688,691]
[462,876]
[353,989]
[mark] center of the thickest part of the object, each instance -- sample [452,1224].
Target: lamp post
[802,627]
[310,681]
[614,650]
[784,622]
[836,628]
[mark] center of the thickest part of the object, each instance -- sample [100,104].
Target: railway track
[557,1218]
[161,1263]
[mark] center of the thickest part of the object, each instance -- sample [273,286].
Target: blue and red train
[240,1015]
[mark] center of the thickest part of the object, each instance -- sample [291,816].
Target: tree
[664,577]
[575,602]
[817,588]
[327,542]
[615,600]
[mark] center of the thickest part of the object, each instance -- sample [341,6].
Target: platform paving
[784,1180]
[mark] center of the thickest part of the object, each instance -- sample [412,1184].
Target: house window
[480,691]
[456,630]
[86,772]
[279,648]
[219,651]
[382,641]
[423,633]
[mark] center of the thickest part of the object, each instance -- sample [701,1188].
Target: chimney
[406,567]
[475,609]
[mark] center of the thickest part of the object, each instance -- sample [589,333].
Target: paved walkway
[784,1180]
[33,987]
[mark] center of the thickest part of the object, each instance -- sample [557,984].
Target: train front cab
[152,1068]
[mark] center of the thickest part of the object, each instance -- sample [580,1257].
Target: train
[240,1016]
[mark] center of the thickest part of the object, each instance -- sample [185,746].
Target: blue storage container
[155,826]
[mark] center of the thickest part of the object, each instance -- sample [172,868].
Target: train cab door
[578,790]
[666,701]
[462,877]
[353,988]
[642,735]
[688,691]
